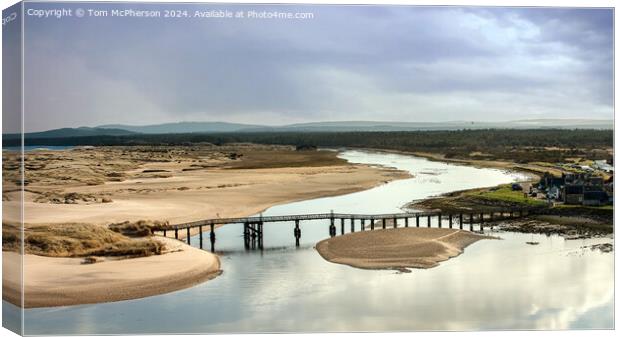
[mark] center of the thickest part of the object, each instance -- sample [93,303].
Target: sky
[380,63]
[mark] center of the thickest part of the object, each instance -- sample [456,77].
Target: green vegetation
[76,240]
[543,145]
[504,193]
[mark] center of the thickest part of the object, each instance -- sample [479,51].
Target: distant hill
[344,126]
[71,132]
[183,127]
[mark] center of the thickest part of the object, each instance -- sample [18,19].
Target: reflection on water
[495,284]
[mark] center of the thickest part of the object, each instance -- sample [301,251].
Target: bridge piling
[460,220]
[481,222]
[417,220]
[450,220]
[211,237]
[200,235]
[297,233]
[332,228]
[342,226]
[406,222]
[428,221]
[439,219]
[471,222]
[372,224]
[352,225]
[188,236]
[363,225]
[395,223]
[176,233]
[164,233]
[383,223]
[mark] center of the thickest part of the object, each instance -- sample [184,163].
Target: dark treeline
[498,143]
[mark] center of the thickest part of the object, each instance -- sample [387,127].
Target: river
[495,284]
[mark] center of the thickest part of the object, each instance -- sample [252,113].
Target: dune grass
[76,240]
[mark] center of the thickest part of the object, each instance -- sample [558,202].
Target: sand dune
[397,248]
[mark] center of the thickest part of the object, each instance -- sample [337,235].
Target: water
[31,148]
[495,284]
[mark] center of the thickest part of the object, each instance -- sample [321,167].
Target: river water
[495,284]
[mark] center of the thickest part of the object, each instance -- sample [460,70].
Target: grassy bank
[79,240]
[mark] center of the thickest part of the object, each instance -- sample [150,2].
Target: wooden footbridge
[253,226]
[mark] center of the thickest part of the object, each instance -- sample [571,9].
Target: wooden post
[406,222]
[383,223]
[491,216]
[352,225]
[260,235]
[363,229]
[417,220]
[372,224]
[332,228]
[471,222]
[297,233]
[212,237]
[395,223]
[428,221]
[450,220]
[460,220]
[164,233]
[200,234]
[342,226]
[481,222]
[176,233]
[439,220]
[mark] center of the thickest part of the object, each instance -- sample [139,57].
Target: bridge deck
[320,216]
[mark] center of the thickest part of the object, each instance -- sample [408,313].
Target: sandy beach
[100,186]
[397,248]
[52,282]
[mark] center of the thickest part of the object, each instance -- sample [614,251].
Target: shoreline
[400,248]
[185,195]
[53,282]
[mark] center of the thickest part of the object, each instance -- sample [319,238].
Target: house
[594,198]
[573,194]
[553,193]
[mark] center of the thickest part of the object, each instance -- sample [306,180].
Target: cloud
[365,62]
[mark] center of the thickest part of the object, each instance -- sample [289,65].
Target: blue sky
[391,63]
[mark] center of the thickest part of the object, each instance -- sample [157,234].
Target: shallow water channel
[495,284]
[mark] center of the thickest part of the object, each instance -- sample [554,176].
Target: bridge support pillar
[406,222]
[246,235]
[332,228]
[211,237]
[417,220]
[372,224]
[164,233]
[471,222]
[342,226]
[363,225]
[439,219]
[297,233]
[460,220]
[428,221]
[188,235]
[450,220]
[481,222]
[200,235]
[260,235]
[383,223]
[352,225]
[395,223]
[176,233]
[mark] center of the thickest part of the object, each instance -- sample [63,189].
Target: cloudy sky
[395,63]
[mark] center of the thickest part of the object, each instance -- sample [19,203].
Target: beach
[112,185]
[397,248]
[50,281]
